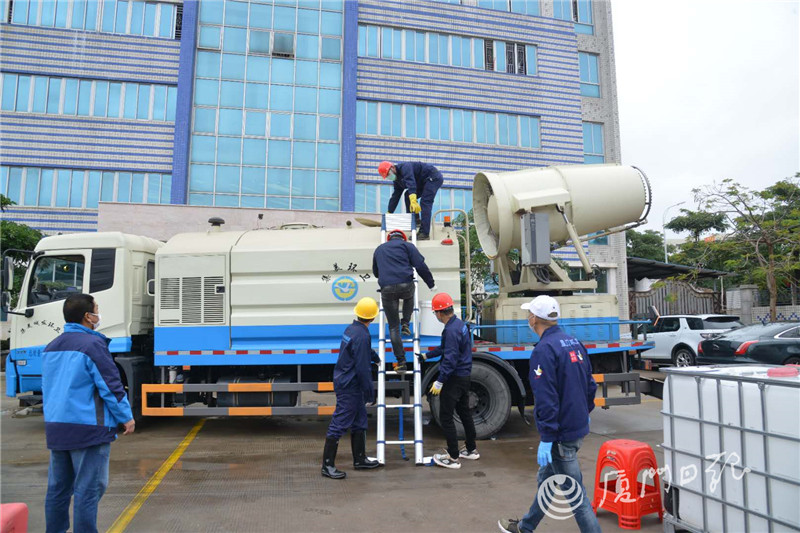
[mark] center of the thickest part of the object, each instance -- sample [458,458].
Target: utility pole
[664,227]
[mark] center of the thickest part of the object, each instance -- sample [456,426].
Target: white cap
[545,307]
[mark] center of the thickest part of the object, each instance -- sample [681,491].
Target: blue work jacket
[412,176]
[455,350]
[82,395]
[563,386]
[393,263]
[352,373]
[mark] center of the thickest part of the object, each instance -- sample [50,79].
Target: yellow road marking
[130,511]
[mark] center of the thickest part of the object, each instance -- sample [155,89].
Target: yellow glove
[413,204]
[436,388]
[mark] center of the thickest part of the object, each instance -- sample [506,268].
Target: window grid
[46,187]
[151,19]
[593,151]
[287,110]
[439,123]
[590,77]
[95,98]
[438,49]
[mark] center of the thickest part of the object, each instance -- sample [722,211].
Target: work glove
[421,357]
[436,388]
[434,289]
[544,457]
[413,205]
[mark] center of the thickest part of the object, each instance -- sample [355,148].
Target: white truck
[226,323]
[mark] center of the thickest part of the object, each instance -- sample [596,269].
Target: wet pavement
[263,474]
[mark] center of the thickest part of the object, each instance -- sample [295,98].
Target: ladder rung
[400,442]
[399,405]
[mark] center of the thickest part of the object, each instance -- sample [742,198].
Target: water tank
[594,197]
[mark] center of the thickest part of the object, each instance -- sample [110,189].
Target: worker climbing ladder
[406,223]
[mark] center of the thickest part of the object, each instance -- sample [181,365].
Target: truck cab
[114,268]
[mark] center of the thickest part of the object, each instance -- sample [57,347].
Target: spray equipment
[528,210]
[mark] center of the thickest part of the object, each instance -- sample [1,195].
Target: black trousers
[455,397]
[391,296]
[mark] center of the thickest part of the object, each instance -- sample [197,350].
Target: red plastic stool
[13,518]
[621,491]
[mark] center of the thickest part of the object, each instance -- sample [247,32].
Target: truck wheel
[489,400]
[683,357]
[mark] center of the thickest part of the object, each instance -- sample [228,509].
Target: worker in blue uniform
[452,383]
[393,263]
[352,382]
[563,390]
[421,182]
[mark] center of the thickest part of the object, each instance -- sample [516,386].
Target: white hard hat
[544,307]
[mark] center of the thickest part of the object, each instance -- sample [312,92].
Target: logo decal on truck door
[344,288]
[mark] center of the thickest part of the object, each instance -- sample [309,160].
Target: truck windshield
[54,278]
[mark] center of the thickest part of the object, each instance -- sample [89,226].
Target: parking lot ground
[263,474]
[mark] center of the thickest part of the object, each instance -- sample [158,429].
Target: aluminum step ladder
[406,223]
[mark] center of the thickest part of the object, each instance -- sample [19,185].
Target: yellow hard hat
[366,308]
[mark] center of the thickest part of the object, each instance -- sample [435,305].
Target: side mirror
[5,302]
[151,287]
[7,274]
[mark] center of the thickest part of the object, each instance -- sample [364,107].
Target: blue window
[62,188]
[114,94]
[76,188]
[31,186]
[331,23]
[527,7]
[159,102]
[78,14]
[259,42]
[280,125]
[172,102]
[203,149]
[166,25]
[200,199]
[206,92]
[229,150]
[233,66]
[48,14]
[593,151]
[255,124]
[231,94]
[107,188]
[137,188]
[328,156]
[308,21]
[361,117]
[109,11]
[305,127]
[100,99]
[307,47]
[306,73]
[209,37]
[93,189]
[71,96]
[280,98]
[531,60]
[590,80]
[46,188]
[149,19]
[235,40]
[230,122]
[330,75]
[9,91]
[330,101]
[153,188]
[23,93]
[131,100]
[303,203]
[433,48]
[61,14]
[120,25]
[235,13]
[279,155]
[166,188]
[257,68]
[256,95]
[15,184]
[502,124]
[227,179]
[253,181]
[211,12]
[277,180]
[372,118]
[583,20]
[302,183]
[285,18]
[137,18]
[562,9]
[207,64]
[260,16]
[201,178]
[84,98]
[282,70]
[328,184]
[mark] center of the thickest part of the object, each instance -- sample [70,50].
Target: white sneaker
[472,456]
[444,459]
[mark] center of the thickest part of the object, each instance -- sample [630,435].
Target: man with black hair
[84,402]
[393,263]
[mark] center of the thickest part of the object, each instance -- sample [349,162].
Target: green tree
[648,244]
[15,236]
[764,228]
[697,222]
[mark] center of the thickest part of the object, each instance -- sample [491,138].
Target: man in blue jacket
[352,382]
[393,263]
[84,401]
[421,182]
[563,390]
[453,383]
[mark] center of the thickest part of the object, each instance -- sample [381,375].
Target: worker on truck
[452,383]
[421,182]
[563,391]
[352,382]
[393,263]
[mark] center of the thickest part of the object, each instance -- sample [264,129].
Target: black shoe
[329,458]
[509,526]
[405,331]
[422,236]
[400,365]
[358,440]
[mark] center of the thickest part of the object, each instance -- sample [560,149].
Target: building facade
[291,104]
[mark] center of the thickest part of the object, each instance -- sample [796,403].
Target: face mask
[392,175]
[96,325]
[531,325]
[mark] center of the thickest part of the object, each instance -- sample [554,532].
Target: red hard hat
[441,301]
[384,168]
[397,232]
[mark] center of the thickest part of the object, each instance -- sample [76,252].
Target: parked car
[776,343]
[676,336]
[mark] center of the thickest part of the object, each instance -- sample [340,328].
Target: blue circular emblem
[344,288]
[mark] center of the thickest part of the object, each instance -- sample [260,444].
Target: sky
[707,90]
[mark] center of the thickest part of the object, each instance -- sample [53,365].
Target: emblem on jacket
[575,356]
[538,371]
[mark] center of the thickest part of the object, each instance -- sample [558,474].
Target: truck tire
[683,357]
[490,400]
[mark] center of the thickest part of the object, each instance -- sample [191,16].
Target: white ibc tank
[746,425]
[595,198]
